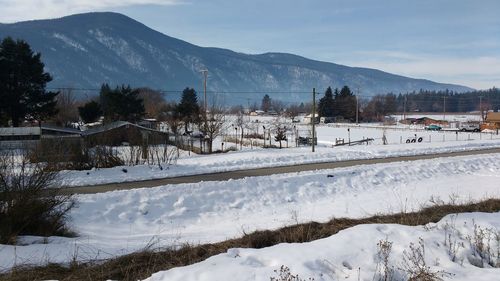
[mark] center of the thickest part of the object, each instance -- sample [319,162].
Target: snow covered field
[120,222]
[257,157]
[353,254]
[260,158]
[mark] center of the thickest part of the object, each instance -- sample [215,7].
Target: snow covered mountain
[86,50]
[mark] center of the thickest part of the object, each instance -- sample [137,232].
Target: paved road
[261,172]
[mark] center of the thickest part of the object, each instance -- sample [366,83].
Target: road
[222,176]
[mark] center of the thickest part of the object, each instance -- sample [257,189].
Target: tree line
[449,101]
[339,104]
[379,106]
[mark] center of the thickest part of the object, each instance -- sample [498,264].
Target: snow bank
[353,254]
[121,222]
[261,158]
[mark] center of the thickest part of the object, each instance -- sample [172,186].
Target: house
[390,120]
[426,121]
[55,131]
[308,118]
[19,137]
[493,117]
[112,134]
[257,113]
[120,132]
[149,123]
[492,121]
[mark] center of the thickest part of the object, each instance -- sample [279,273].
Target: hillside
[85,50]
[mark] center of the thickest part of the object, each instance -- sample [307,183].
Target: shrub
[415,266]
[103,156]
[284,274]
[59,154]
[384,270]
[27,204]
[482,243]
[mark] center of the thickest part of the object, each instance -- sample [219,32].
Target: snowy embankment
[451,248]
[121,222]
[262,158]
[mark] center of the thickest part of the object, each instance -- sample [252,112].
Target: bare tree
[154,103]
[236,109]
[280,130]
[253,107]
[212,123]
[277,105]
[67,108]
[240,122]
[292,111]
[173,119]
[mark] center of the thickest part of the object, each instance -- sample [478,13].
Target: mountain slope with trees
[87,50]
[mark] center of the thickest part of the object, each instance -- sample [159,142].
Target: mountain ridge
[86,50]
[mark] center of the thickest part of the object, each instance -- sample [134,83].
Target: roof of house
[493,117]
[310,115]
[19,131]
[115,125]
[23,131]
[61,130]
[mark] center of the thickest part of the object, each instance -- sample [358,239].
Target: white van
[469,127]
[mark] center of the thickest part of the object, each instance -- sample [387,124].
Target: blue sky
[454,41]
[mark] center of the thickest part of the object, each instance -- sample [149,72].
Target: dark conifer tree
[90,112]
[188,108]
[345,103]
[22,84]
[266,103]
[122,103]
[326,104]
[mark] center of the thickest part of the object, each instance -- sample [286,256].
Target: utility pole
[205,74]
[313,119]
[444,108]
[481,107]
[404,109]
[357,109]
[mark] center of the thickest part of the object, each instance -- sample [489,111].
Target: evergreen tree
[280,134]
[122,103]
[345,102]
[266,103]
[345,92]
[22,84]
[188,108]
[326,104]
[390,104]
[90,112]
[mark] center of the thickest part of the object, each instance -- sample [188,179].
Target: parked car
[469,127]
[433,127]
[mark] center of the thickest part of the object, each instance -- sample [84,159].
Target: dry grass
[141,265]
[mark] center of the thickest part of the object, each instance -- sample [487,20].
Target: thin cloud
[18,10]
